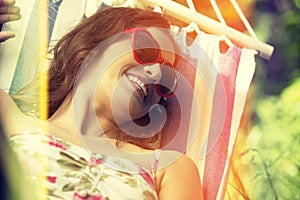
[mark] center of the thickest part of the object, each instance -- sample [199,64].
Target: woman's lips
[139,85]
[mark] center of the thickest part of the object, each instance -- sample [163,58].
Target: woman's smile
[139,85]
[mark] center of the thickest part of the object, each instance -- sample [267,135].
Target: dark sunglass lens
[164,91]
[146,47]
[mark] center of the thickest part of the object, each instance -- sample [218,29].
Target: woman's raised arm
[12,118]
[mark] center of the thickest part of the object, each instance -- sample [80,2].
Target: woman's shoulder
[173,162]
[173,159]
[179,179]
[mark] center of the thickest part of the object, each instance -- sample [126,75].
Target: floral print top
[67,171]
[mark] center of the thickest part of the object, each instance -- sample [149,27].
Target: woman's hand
[8,13]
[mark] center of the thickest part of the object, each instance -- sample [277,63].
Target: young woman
[109,80]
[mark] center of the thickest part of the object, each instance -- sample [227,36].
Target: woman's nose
[154,72]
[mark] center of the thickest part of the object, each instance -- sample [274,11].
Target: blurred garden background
[266,163]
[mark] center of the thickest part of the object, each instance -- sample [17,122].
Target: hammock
[220,81]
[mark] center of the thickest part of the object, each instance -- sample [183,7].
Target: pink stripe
[219,138]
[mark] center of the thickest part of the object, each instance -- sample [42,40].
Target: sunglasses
[146,50]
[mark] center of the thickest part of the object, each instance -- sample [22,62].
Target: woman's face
[128,88]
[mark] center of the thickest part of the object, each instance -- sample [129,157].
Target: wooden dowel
[209,25]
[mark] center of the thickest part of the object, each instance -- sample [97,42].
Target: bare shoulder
[180,179]
[12,119]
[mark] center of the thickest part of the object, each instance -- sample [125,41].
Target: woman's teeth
[138,82]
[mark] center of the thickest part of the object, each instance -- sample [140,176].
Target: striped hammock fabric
[212,111]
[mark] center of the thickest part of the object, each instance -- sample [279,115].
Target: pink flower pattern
[94,161]
[72,169]
[51,179]
[146,176]
[57,145]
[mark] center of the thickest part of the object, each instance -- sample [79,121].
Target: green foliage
[274,140]
[276,155]
[277,22]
